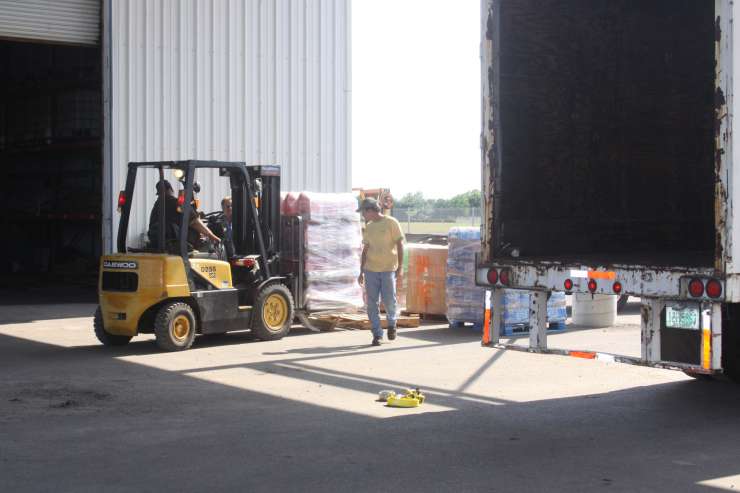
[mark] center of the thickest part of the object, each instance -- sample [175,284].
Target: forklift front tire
[273,313]
[103,336]
[175,326]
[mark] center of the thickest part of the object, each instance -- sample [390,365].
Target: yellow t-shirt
[381,237]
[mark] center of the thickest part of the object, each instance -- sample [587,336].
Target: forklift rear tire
[103,336]
[175,326]
[273,313]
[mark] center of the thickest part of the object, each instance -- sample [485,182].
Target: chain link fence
[433,220]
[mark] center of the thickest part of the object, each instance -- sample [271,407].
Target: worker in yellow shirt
[381,266]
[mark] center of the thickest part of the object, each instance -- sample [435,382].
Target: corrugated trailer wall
[261,81]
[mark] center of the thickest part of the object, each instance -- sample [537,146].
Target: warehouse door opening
[50,163]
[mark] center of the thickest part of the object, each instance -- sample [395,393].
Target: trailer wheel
[175,326]
[103,336]
[622,302]
[273,313]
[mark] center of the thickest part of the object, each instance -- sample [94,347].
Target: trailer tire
[622,302]
[104,337]
[273,312]
[175,326]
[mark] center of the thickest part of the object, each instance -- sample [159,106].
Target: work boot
[376,341]
[391,333]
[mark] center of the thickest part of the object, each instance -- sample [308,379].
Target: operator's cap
[163,185]
[369,204]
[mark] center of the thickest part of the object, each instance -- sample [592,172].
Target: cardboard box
[425,279]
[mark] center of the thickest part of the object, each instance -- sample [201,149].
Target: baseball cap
[369,204]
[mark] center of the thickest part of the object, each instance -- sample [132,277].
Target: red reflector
[714,288]
[568,285]
[243,262]
[592,285]
[504,277]
[492,276]
[696,288]
[121,198]
[617,287]
[181,198]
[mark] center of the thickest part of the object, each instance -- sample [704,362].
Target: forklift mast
[266,183]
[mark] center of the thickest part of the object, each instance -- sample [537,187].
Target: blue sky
[416,96]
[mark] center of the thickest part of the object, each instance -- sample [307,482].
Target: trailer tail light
[568,285]
[696,288]
[505,277]
[592,285]
[492,276]
[714,288]
[617,287]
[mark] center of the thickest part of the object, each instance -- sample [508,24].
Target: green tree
[467,199]
[411,201]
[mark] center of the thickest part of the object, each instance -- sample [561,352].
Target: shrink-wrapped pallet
[328,208]
[516,308]
[425,291]
[332,249]
[517,305]
[465,300]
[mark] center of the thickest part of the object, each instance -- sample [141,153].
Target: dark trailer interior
[607,131]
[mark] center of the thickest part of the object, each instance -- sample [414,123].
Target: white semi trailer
[609,166]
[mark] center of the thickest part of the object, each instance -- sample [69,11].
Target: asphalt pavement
[235,414]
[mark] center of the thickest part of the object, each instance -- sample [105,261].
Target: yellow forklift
[175,288]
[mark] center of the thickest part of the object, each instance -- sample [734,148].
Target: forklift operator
[172,217]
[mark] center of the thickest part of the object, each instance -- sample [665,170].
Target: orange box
[425,279]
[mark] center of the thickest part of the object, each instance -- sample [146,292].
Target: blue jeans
[377,285]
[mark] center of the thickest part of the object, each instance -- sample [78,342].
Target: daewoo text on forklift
[175,289]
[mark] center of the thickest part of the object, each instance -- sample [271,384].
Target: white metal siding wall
[59,21]
[261,81]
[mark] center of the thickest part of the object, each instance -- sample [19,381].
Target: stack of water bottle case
[465,300]
[333,245]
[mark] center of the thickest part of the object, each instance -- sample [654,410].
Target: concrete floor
[233,414]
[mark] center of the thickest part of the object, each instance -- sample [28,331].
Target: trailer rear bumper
[652,282]
[685,334]
[611,358]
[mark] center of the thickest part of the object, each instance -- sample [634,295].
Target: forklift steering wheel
[218,249]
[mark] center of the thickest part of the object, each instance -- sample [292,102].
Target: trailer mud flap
[681,333]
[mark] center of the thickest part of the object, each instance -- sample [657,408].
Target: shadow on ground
[15,290]
[83,419]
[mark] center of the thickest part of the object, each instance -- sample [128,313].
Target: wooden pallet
[432,317]
[357,321]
